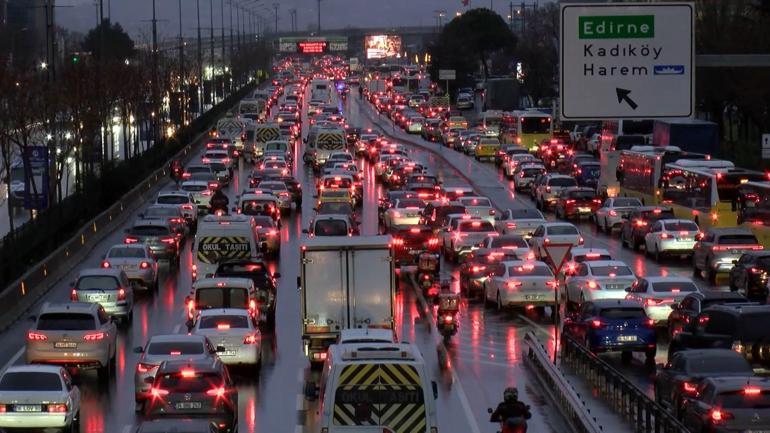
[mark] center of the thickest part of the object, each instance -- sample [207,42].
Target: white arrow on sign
[556,255]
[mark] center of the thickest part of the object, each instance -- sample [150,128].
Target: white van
[376,386]
[221,238]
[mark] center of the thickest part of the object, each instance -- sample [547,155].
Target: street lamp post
[275,7]
[200,60]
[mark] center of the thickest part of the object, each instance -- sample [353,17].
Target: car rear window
[129,253]
[476,202]
[162,212]
[532,172]
[623,313]
[675,287]
[199,169]
[331,228]
[195,188]
[261,221]
[626,202]
[530,270]
[175,348]
[149,231]
[224,321]
[173,199]
[582,195]
[526,213]
[681,226]
[215,297]
[740,400]
[190,383]
[505,241]
[719,364]
[30,381]
[562,230]
[97,282]
[591,257]
[606,271]
[476,226]
[562,181]
[737,240]
[402,204]
[66,322]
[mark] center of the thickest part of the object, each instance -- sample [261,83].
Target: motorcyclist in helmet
[510,408]
[219,201]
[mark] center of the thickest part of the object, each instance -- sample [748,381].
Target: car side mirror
[434,386]
[197,202]
[149,380]
[138,349]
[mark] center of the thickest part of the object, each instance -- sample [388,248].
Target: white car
[514,160]
[594,280]
[136,261]
[404,212]
[467,235]
[613,211]
[660,294]
[200,192]
[235,334]
[520,221]
[554,233]
[39,397]
[278,189]
[521,283]
[671,237]
[217,155]
[445,233]
[515,244]
[579,255]
[548,187]
[184,200]
[479,206]
[525,173]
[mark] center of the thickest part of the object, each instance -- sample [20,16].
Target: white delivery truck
[345,283]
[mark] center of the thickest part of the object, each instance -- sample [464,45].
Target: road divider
[625,398]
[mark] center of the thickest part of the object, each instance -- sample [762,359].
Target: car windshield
[621,202]
[331,228]
[611,271]
[562,181]
[173,199]
[529,270]
[189,382]
[743,400]
[562,230]
[674,286]
[223,322]
[128,253]
[719,365]
[681,226]
[29,381]
[65,322]
[97,282]
[175,348]
[623,313]
[738,240]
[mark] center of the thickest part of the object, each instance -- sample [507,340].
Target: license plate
[685,239]
[97,298]
[534,297]
[227,353]
[584,209]
[188,405]
[128,267]
[626,338]
[65,345]
[27,408]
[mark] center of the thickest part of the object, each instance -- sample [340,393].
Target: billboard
[382,46]
[313,45]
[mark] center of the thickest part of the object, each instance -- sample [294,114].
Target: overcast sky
[134,15]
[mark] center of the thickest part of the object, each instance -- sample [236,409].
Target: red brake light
[57,408]
[122,294]
[597,324]
[223,326]
[513,284]
[717,416]
[169,240]
[613,213]
[144,368]
[144,265]
[158,393]
[689,388]
[34,336]
[74,295]
[94,336]
[752,390]
[250,339]
[188,373]
[130,240]
[105,264]
[218,392]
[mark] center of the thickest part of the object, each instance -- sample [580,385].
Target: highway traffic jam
[366,255]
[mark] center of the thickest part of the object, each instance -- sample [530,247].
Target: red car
[577,202]
[408,243]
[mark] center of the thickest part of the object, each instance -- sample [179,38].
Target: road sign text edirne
[626,60]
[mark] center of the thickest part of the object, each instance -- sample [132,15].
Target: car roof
[33,368]
[668,278]
[166,338]
[699,353]
[729,231]
[598,263]
[557,224]
[69,307]
[151,222]
[622,303]
[100,272]
[206,365]
[223,282]
[579,251]
[736,383]
[224,312]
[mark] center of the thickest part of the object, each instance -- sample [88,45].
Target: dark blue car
[614,325]
[587,173]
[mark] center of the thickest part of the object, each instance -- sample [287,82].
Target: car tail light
[689,388]
[597,201]
[592,284]
[664,235]
[158,392]
[581,240]
[130,240]
[217,392]
[513,285]
[547,189]
[569,202]
[187,207]
[398,242]
[74,295]
[477,269]
[144,368]
[640,223]
[105,264]
[34,336]
[492,212]
[144,265]
[752,390]
[169,240]
[613,213]
[94,336]
[737,346]
[651,302]
[649,323]
[597,324]
[57,408]
[554,284]
[718,415]
[756,271]
[176,220]
[250,339]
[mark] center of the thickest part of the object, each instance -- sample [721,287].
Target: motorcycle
[512,425]
[446,317]
[427,270]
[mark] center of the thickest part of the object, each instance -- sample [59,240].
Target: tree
[115,41]
[538,52]
[469,40]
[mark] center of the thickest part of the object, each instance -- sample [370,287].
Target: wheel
[155,284]
[695,271]
[74,427]
[607,228]
[634,243]
[499,304]
[657,255]
[626,356]
[711,275]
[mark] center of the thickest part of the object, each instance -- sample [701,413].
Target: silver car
[166,348]
[76,334]
[521,283]
[600,279]
[613,211]
[39,397]
[659,295]
[136,261]
[719,248]
[234,332]
[672,237]
[108,287]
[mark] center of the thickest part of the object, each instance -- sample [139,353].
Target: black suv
[749,275]
[683,314]
[742,328]
[264,282]
[639,222]
[194,389]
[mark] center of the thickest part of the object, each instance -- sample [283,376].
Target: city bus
[617,136]
[526,128]
[753,208]
[639,170]
[705,191]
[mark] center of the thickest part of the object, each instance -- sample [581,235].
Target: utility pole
[319,17]
[275,7]
[211,46]
[181,49]
[231,30]
[238,24]
[222,10]
[200,60]
[155,105]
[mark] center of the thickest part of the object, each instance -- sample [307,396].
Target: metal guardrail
[557,388]
[628,400]
[21,295]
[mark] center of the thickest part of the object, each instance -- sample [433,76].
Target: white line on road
[13,360]
[300,402]
[538,327]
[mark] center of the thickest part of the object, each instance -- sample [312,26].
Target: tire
[155,285]
[499,304]
[711,276]
[658,257]
[634,243]
[607,229]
